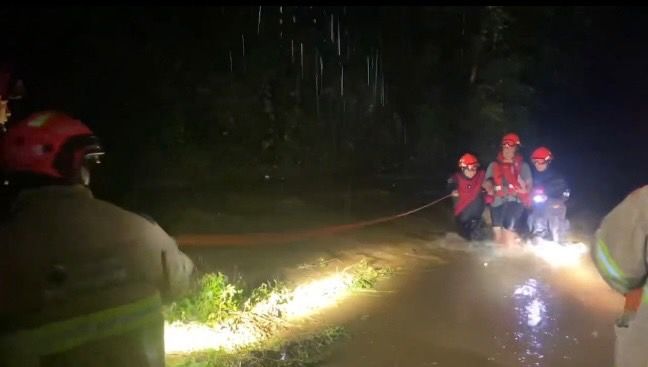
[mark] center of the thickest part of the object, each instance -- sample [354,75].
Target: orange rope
[208,240]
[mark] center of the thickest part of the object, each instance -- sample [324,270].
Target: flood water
[480,310]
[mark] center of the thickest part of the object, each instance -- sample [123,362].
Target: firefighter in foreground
[81,280]
[470,202]
[547,220]
[511,180]
[620,257]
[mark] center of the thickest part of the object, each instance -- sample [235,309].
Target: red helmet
[468,160]
[511,139]
[48,143]
[542,154]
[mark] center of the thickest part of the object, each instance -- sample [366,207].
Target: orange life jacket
[505,178]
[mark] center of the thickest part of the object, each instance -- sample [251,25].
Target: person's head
[468,164]
[541,158]
[49,148]
[510,144]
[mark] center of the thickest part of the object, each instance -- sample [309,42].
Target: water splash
[558,255]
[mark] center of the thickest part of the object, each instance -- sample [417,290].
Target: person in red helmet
[469,205]
[548,220]
[81,280]
[511,180]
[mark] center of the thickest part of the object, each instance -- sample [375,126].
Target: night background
[219,96]
[251,119]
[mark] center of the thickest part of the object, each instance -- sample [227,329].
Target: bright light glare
[539,198]
[307,298]
[304,300]
[558,255]
[536,310]
[527,290]
[185,338]
[534,307]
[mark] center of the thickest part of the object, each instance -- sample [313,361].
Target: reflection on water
[539,336]
[535,324]
[515,311]
[536,310]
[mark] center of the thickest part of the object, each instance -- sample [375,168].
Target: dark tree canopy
[226,94]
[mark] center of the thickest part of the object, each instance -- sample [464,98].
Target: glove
[625,319]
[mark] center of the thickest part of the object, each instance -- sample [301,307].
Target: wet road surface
[480,310]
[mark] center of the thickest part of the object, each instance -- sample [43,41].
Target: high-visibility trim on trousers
[61,336]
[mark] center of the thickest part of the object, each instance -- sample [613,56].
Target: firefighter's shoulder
[148,218]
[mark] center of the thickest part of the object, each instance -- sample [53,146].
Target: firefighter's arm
[451,184]
[178,269]
[619,250]
[163,264]
[557,187]
[561,185]
[489,171]
[526,178]
[489,183]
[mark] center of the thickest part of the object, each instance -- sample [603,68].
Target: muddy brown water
[447,307]
[477,310]
[450,307]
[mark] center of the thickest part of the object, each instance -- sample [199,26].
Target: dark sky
[600,123]
[594,108]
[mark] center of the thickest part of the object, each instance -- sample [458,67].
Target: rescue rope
[211,240]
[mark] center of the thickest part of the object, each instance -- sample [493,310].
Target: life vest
[469,189]
[505,178]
